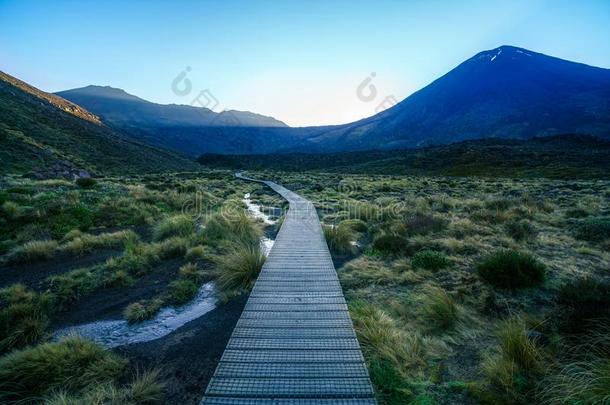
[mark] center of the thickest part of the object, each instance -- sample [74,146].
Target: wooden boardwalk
[294,342]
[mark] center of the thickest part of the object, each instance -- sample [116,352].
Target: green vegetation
[33,251]
[72,365]
[594,230]
[238,270]
[178,225]
[429,260]
[511,269]
[339,239]
[70,243]
[435,288]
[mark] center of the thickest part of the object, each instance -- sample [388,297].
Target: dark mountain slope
[506,92]
[560,156]
[37,132]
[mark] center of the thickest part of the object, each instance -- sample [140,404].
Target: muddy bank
[33,274]
[109,303]
[188,356]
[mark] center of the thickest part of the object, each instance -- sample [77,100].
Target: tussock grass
[511,269]
[177,225]
[238,269]
[381,337]
[520,230]
[516,367]
[23,317]
[438,309]
[197,252]
[233,226]
[190,271]
[85,243]
[364,271]
[339,239]
[143,310]
[181,291]
[34,251]
[71,364]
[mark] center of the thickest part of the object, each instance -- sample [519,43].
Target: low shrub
[181,291]
[73,285]
[196,252]
[239,269]
[511,269]
[421,224]
[584,302]
[390,244]
[429,260]
[85,182]
[593,230]
[339,239]
[177,225]
[34,251]
[70,365]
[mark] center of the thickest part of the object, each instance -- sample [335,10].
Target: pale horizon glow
[299,63]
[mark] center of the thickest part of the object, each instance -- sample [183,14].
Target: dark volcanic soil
[188,356]
[109,303]
[33,274]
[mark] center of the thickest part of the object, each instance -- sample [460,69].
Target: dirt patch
[188,356]
[33,274]
[109,303]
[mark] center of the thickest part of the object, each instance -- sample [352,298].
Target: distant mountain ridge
[119,108]
[506,92]
[43,134]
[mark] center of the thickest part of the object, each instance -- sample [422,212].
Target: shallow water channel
[114,333]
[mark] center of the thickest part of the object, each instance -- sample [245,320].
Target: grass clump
[339,239]
[421,224]
[593,230]
[23,317]
[181,291]
[390,244]
[144,389]
[438,309]
[34,251]
[177,225]
[429,260]
[520,230]
[583,302]
[511,269]
[190,271]
[232,226]
[71,365]
[140,311]
[85,243]
[516,367]
[238,270]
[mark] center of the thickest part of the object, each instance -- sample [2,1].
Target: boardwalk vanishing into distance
[295,342]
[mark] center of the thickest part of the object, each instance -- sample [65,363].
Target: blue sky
[300,62]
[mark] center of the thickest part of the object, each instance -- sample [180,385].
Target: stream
[114,333]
